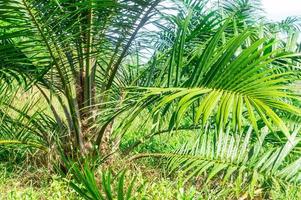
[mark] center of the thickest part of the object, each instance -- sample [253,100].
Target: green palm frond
[245,11]
[236,159]
[72,47]
[112,186]
[232,83]
[289,24]
[26,125]
[17,66]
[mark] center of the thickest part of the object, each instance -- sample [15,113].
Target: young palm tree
[236,75]
[217,71]
[70,50]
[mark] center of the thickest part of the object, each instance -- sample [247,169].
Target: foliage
[230,82]
[112,187]
[79,77]
[234,158]
[21,184]
[79,46]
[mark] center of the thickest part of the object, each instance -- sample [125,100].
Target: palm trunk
[85,86]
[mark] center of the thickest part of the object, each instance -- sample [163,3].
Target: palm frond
[111,186]
[231,83]
[237,159]
[26,125]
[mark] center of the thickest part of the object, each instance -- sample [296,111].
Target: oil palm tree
[209,68]
[217,71]
[70,51]
[236,75]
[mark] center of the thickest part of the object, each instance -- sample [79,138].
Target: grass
[39,184]
[23,176]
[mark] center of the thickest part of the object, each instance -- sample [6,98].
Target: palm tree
[236,75]
[230,84]
[70,51]
[217,71]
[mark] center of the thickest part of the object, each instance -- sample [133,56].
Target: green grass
[21,176]
[38,184]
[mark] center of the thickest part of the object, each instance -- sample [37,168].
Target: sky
[280,9]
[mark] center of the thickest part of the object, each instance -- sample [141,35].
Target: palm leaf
[233,84]
[232,158]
